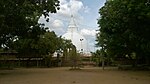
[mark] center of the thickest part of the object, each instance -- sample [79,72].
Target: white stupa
[77,39]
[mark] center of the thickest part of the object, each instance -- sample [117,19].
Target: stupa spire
[72,25]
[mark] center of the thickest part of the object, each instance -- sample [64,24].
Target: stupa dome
[77,39]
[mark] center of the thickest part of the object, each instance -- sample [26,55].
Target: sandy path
[65,76]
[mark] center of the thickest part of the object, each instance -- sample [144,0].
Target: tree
[47,44]
[66,46]
[44,47]
[124,29]
[19,27]
[19,19]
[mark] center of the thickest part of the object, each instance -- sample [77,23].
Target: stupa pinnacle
[72,26]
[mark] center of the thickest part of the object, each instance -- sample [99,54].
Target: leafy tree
[44,47]
[19,27]
[47,44]
[96,56]
[65,45]
[124,29]
[19,19]
[69,52]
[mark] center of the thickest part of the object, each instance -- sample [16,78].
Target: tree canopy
[19,19]
[124,28]
[20,30]
[46,44]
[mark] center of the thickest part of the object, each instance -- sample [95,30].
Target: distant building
[77,39]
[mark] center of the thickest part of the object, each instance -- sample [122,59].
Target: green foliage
[124,28]
[19,27]
[48,43]
[19,19]
[45,45]
[65,45]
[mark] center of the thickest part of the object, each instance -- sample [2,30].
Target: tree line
[124,30]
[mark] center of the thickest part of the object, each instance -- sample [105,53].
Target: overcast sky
[85,13]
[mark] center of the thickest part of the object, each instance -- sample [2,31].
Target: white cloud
[86,9]
[57,24]
[63,1]
[53,24]
[75,6]
[64,8]
[59,31]
[71,7]
[87,32]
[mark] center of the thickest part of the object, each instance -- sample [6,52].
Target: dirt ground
[66,76]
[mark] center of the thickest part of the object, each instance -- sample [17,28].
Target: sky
[85,13]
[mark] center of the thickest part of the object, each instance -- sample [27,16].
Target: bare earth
[66,76]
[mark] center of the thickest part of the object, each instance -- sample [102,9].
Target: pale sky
[85,13]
